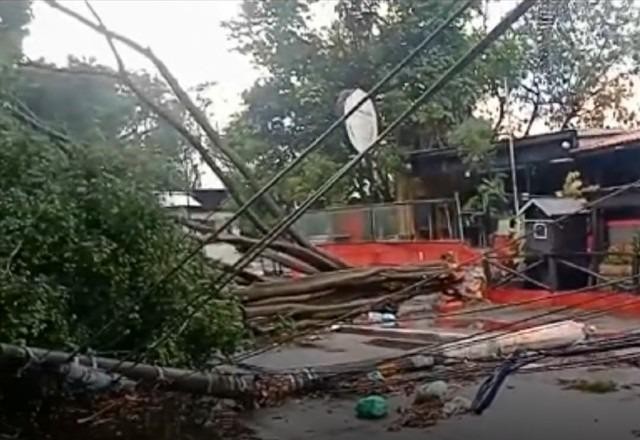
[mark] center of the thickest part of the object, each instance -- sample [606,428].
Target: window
[540,231]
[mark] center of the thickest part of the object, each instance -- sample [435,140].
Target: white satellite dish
[362,125]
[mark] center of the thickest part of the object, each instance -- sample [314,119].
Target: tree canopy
[14,18]
[84,239]
[581,65]
[83,235]
[88,102]
[569,66]
[308,68]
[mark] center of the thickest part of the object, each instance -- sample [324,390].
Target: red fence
[396,253]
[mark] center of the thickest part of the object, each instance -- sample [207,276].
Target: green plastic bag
[372,407]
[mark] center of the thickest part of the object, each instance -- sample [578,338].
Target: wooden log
[293,309]
[245,277]
[322,311]
[340,295]
[293,299]
[340,279]
[313,283]
[311,257]
[289,262]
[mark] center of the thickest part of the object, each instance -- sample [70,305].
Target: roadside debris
[372,407]
[431,390]
[371,295]
[457,405]
[426,411]
[590,386]
[143,415]
[559,334]
[386,319]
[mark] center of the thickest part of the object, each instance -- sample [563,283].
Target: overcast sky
[186,34]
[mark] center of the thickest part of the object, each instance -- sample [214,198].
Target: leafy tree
[568,64]
[84,240]
[573,186]
[83,237]
[490,198]
[87,101]
[581,64]
[14,17]
[308,68]
[474,140]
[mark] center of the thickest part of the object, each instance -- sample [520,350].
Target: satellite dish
[362,125]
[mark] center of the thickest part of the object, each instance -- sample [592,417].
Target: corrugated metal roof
[177,199]
[554,206]
[614,139]
[594,132]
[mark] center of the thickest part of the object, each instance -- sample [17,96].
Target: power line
[464,263]
[475,338]
[318,141]
[462,63]
[462,6]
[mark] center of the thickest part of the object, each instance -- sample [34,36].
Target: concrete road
[529,407]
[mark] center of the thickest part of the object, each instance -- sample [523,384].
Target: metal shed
[556,233]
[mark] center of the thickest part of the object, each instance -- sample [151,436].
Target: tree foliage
[14,18]
[581,64]
[87,101]
[84,239]
[567,64]
[474,140]
[307,68]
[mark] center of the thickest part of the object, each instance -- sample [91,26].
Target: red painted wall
[609,302]
[397,253]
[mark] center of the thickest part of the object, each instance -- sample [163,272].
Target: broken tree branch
[348,278]
[198,116]
[293,256]
[180,128]
[311,257]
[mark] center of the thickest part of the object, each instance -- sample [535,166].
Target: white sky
[186,34]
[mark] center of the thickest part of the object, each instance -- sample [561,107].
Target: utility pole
[512,153]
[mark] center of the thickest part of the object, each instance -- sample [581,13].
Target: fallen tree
[292,256]
[215,153]
[311,300]
[360,278]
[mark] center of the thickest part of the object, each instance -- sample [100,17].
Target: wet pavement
[529,406]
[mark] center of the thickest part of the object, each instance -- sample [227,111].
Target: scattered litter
[457,405]
[433,390]
[386,319]
[375,376]
[422,361]
[426,413]
[372,407]
[418,416]
[587,386]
